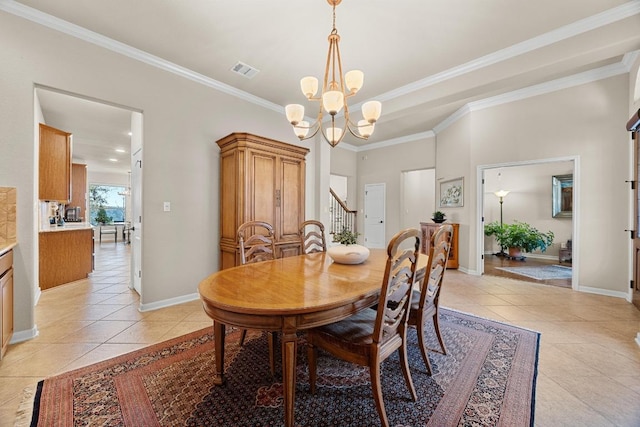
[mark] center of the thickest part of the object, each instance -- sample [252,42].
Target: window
[106,204]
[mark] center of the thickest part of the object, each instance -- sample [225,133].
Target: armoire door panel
[264,188]
[292,200]
[229,196]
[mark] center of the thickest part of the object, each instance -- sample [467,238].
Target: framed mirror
[562,193]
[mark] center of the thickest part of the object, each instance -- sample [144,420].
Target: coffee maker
[73,214]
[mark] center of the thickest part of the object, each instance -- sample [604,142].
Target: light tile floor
[589,369]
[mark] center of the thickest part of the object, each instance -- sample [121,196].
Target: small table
[288,295]
[565,255]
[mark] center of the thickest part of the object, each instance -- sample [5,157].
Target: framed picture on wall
[562,200]
[452,193]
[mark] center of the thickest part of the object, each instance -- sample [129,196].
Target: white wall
[107,178]
[182,121]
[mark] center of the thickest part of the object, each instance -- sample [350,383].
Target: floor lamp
[501,195]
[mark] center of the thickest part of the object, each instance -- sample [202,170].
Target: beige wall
[344,162]
[385,165]
[529,201]
[453,161]
[182,121]
[586,121]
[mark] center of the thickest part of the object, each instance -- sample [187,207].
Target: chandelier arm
[326,138]
[349,124]
[333,125]
[314,133]
[340,70]
[326,68]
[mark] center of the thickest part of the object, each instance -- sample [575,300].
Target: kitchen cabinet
[54,165]
[66,255]
[260,180]
[79,189]
[428,229]
[6,299]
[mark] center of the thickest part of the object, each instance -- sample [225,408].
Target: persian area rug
[487,378]
[545,272]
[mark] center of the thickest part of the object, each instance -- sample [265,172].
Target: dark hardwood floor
[492,261]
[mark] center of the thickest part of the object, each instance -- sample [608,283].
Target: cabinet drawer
[6,262]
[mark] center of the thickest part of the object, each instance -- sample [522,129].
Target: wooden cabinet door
[262,183]
[6,300]
[636,233]
[79,189]
[7,309]
[290,199]
[55,165]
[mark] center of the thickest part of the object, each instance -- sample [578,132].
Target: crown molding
[535,90]
[630,58]
[82,33]
[397,141]
[587,24]
[596,21]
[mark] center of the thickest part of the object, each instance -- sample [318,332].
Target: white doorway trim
[480,171]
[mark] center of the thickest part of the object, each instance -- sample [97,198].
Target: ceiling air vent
[245,70]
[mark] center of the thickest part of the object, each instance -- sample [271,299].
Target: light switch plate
[167,206]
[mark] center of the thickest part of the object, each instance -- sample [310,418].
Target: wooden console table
[428,229]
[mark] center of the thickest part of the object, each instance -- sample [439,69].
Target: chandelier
[336,89]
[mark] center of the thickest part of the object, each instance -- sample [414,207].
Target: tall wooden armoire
[260,180]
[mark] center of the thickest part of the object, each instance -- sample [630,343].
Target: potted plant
[102,217]
[438,217]
[348,251]
[519,237]
[346,237]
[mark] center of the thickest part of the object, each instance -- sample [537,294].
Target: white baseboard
[168,302]
[605,292]
[21,336]
[470,272]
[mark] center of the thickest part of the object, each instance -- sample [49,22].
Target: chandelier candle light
[335,91]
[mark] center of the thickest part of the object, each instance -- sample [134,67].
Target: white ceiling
[424,59]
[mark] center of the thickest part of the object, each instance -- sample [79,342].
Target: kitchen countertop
[68,226]
[5,247]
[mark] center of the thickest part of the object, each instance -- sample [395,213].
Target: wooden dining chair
[426,300]
[370,336]
[312,237]
[257,243]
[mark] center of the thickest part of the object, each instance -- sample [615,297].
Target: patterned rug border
[519,392]
[540,272]
[535,361]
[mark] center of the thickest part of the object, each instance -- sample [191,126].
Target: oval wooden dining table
[288,295]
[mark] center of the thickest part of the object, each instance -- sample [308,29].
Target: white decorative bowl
[348,254]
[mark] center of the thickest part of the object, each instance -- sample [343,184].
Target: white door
[136,202]
[374,229]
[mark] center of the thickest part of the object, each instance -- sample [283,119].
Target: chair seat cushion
[429,308]
[352,333]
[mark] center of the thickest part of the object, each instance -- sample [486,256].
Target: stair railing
[341,215]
